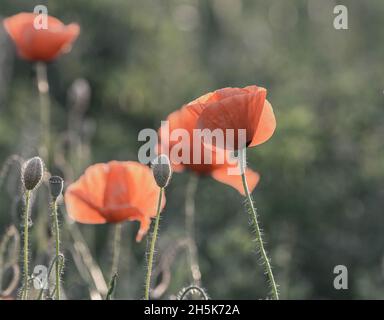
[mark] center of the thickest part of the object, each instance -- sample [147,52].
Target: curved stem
[190,228]
[57,239]
[85,263]
[152,247]
[24,292]
[259,239]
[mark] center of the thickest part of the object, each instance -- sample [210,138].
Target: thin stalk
[24,292]
[259,239]
[190,228]
[116,249]
[45,112]
[152,247]
[115,260]
[57,239]
[112,286]
[86,264]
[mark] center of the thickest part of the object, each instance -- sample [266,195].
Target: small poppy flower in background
[40,44]
[238,108]
[114,192]
[186,118]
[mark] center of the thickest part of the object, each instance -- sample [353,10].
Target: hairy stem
[190,228]
[24,292]
[152,247]
[259,239]
[57,239]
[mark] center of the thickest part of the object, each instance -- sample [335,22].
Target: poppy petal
[40,44]
[80,210]
[144,227]
[146,193]
[184,119]
[46,45]
[266,127]
[235,112]
[85,197]
[235,181]
[114,192]
[131,194]
[208,97]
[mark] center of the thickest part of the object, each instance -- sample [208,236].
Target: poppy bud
[32,173]
[79,94]
[162,170]
[56,184]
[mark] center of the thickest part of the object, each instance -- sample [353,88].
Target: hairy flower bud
[32,173]
[162,170]
[56,185]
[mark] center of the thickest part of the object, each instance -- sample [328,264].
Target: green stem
[57,239]
[115,261]
[116,249]
[152,247]
[259,239]
[112,286]
[190,228]
[24,292]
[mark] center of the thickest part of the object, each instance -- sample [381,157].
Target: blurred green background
[321,194]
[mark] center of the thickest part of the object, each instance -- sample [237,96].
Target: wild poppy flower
[114,192]
[186,118]
[235,109]
[238,108]
[40,44]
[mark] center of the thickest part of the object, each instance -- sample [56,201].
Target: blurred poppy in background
[186,118]
[43,44]
[114,192]
[238,108]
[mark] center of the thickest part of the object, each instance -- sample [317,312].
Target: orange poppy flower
[238,108]
[186,118]
[114,192]
[40,44]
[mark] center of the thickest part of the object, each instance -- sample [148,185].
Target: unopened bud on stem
[32,173]
[162,170]
[56,185]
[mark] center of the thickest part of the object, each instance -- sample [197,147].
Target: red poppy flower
[40,44]
[114,192]
[238,108]
[186,118]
